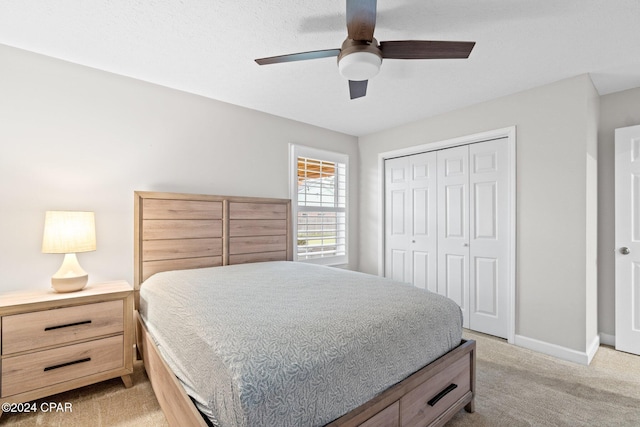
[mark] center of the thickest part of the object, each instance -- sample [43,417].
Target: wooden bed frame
[175,231]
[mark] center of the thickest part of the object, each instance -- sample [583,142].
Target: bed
[209,250]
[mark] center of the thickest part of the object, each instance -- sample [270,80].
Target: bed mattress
[292,344]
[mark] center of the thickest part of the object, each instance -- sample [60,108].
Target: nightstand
[53,342]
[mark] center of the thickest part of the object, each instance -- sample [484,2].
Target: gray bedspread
[292,344]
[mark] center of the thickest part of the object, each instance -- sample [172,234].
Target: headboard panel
[258,232]
[176,231]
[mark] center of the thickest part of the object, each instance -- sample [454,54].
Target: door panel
[453,234]
[398,212]
[420,168]
[455,210]
[489,244]
[486,286]
[485,213]
[456,280]
[422,271]
[455,164]
[635,292]
[635,201]
[410,223]
[421,212]
[398,265]
[627,216]
[424,240]
[397,207]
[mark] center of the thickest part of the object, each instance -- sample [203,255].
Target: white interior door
[453,226]
[489,237]
[410,229]
[627,215]
[424,239]
[396,219]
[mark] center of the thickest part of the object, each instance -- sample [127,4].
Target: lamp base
[69,284]
[70,277]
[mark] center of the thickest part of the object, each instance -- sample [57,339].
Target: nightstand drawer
[45,368]
[40,329]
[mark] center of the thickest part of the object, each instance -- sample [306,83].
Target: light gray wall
[554,136]
[75,138]
[617,110]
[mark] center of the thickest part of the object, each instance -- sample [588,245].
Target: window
[319,199]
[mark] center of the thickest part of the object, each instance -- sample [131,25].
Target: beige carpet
[515,387]
[518,387]
[103,404]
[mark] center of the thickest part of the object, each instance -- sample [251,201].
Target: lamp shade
[69,232]
[359,66]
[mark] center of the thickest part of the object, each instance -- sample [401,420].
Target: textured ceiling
[208,48]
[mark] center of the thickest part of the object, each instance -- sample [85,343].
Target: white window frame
[296,151]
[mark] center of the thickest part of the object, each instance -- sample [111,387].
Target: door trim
[510,134]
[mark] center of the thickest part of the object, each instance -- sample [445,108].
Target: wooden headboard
[177,231]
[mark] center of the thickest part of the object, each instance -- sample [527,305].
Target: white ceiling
[207,47]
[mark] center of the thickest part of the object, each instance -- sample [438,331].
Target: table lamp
[67,232]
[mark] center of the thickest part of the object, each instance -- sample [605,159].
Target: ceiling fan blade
[302,56]
[357,89]
[361,19]
[425,49]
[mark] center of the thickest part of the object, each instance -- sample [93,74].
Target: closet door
[397,208]
[453,226]
[448,228]
[424,237]
[410,222]
[489,237]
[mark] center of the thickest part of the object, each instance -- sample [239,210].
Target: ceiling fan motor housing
[359,59]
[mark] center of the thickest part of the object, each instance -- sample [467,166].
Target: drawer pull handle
[442,394]
[62,365]
[68,325]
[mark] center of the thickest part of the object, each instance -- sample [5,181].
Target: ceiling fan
[360,57]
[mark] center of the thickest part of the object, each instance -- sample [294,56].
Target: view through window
[321,210]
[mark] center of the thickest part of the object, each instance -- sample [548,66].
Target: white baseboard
[607,339]
[581,357]
[593,348]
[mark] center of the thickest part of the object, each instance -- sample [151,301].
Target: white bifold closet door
[447,228]
[410,220]
[453,226]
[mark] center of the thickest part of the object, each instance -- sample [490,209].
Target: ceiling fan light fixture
[360,57]
[358,66]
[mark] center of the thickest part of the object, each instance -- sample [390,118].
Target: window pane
[321,234]
[321,183]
